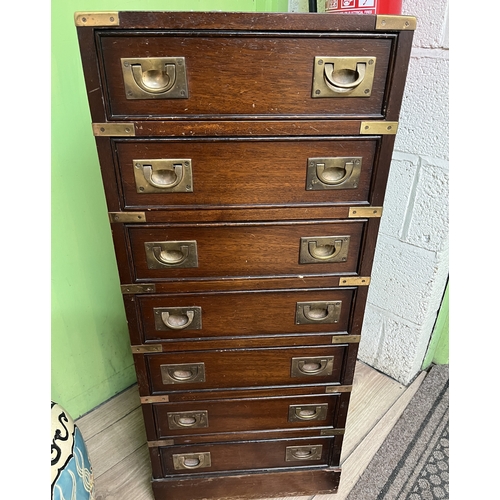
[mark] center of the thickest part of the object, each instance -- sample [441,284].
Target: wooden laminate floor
[116,439]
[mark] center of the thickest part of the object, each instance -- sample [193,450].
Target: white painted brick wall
[411,262]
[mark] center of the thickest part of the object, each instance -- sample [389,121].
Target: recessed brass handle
[183,373]
[178,322]
[154,77]
[318,312]
[297,413]
[334,175]
[344,79]
[308,452]
[191,461]
[163,179]
[327,251]
[315,366]
[161,254]
[343,76]
[188,419]
[163,175]
[171,257]
[177,318]
[319,249]
[158,79]
[336,172]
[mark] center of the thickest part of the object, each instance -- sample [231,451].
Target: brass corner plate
[332,432]
[159,444]
[388,22]
[148,288]
[346,339]
[127,217]
[364,212]
[355,281]
[334,389]
[113,129]
[378,128]
[154,399]
[142,349]
[97,18]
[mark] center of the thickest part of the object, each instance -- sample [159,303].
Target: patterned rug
[413,461]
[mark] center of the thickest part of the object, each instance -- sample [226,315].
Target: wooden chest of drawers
[244,159]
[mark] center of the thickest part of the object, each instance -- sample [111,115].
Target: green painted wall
[438,350]
[90,354]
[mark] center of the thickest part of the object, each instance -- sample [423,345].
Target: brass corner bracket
[113,129]
[387,22]
[355,281]
[378,128]
[97,19]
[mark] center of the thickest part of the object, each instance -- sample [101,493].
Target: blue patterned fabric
[71,471]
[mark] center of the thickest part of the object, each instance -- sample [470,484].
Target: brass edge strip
[365,212]
[356,281]
[140,349]
[154,399]
[332,432]
[157,444]
[127,217]
[97,19]
[387,22]
[345,339]
[378,128]
[149,288]
[113,129]
[338,388]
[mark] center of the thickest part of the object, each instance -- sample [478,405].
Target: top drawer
[220,75]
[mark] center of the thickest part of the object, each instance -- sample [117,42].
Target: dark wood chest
[244,159]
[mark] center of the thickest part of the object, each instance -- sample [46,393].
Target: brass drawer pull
[192,461]
[321,249]
[182,373]
[187,419]
[316,366]
[343,76]
[308,452]
[297,413]
[177,318]
[154,77]
[344,79]
[333,173]
[161,254]
[163,176]
[318,312]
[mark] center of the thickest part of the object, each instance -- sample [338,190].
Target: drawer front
[203,459]
[225,173]
[244,368]
[245,250]
[233,314]
[170,75]
[243,415]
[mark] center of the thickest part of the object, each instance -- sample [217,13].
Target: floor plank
[109,447]
[372,395]
[108,413]
[129,479]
